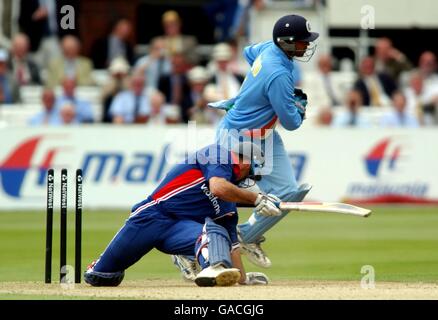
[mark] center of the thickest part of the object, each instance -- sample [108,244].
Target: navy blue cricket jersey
[184,192]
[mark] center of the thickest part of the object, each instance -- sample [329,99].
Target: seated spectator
[83,109]
[175,41]
[67,114]
[198,78]
[199,112]
[430,113]
[227,83]
[428,68]
[70,65]
[49,115]
[24,70]
[9,93]
[351,116]
[238,64]
[389,60]
[118,82]
[325,92]
[162,113]
[175,86]
[132,105]
[399,117]
[116,44]
[424,98]
[375,88]
[324,117]
[41,20]
[155,64]
[416,97]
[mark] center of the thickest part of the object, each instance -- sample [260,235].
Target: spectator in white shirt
[325,92]
[200,91]
[49,115]
[131,106]
[351,116]
[68,114]
[119,72]
[399,116]
[83,110]
[162,113]
[428,67]
[226,82]
[155,64]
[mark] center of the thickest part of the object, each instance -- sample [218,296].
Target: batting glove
[300,94]
[266,205]
[256,278]
[300,102]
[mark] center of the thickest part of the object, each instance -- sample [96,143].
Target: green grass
[400,243]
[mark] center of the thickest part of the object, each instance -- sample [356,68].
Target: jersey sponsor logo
[213,199]
[256,66]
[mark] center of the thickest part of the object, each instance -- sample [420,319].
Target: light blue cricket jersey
[266,94]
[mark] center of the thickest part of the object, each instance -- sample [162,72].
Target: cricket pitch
[177,289]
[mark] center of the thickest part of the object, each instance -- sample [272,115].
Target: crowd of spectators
[172,84]
[402,93]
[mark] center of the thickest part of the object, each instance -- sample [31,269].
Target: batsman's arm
[228,192]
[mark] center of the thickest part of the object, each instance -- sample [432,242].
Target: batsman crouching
[191,213]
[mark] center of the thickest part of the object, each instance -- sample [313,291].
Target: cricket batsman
[266,97]
[191,212]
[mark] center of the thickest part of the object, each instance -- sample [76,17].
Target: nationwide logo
[16,165]
[382,156]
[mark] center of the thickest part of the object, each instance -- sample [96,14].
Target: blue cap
[295,27]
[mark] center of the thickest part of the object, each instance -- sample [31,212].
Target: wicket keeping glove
[300,102]
[266,205]
[256,278]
